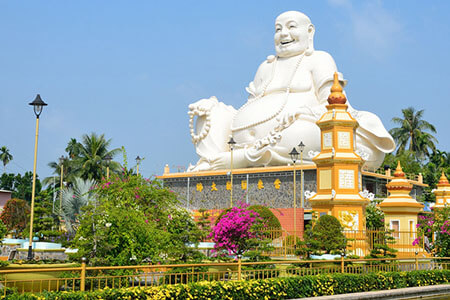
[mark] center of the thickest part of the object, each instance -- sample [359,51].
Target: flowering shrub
[437,224]
[134,220]
[374,217]
[237,231]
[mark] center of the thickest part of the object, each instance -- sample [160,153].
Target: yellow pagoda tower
[400,209]
[442,192]
[338,166]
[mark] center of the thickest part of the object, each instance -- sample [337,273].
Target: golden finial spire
[399,171]
[336,96]
[443,179]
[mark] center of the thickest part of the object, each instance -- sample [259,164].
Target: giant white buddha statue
[286,98]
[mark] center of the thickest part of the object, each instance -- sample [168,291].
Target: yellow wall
[404,220]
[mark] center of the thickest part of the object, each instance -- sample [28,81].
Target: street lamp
[301,146]
[108,159]
[38,105]
[231,143]
[138,161]
[61,163]
[294,156]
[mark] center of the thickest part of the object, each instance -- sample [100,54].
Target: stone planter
[43,254]
[34,281]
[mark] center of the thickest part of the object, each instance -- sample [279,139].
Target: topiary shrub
[269,218]
[325,237]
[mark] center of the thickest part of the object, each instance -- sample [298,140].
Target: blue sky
[129,69]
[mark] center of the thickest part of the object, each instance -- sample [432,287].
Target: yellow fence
[359,243]
[92,278]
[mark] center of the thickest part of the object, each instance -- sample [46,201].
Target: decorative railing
[86,278]
[359,243]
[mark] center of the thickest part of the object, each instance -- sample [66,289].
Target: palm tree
[73,148]
[440,158]
[91,161]
[74,198]
[5,157]
[69,172]
[412,133]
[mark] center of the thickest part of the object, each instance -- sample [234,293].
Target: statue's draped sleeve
[370,126]
[323,69]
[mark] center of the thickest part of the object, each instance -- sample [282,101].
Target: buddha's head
[294,34]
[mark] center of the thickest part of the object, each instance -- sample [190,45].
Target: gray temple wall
[273,189]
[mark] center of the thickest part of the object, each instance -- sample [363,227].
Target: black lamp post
[231,143]
[38,105]
[294,156]
[301,147]
[138,161]
[61,185]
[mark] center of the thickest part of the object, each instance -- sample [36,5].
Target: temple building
[400,209]
[338,166]
[335,181]
[442,192]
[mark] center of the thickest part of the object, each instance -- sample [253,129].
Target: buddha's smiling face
[292,34]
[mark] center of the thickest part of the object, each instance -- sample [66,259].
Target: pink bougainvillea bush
[239,230]
[436,228]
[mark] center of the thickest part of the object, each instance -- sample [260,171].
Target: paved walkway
[441,291]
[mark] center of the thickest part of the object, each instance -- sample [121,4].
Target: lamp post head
[108,159]
[38,105]
[138,159]
[61,159]
[301,146]
[294,155]
[231,142]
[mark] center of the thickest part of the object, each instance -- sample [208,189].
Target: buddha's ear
[311,31]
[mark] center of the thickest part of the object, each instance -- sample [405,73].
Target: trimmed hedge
[275,288]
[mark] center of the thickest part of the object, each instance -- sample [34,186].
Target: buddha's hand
[289,118]
[203,106]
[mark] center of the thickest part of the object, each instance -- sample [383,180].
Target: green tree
[324,237]
[380,245]
[407,160]
[3,232]
[23,186]
[15,216]
[45,222]
[20,185]
[73,148]
[412,134]
[270,220]
[91,161]
[69,168]
[441,159]
[374,217]
[132,221]
[5,157]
